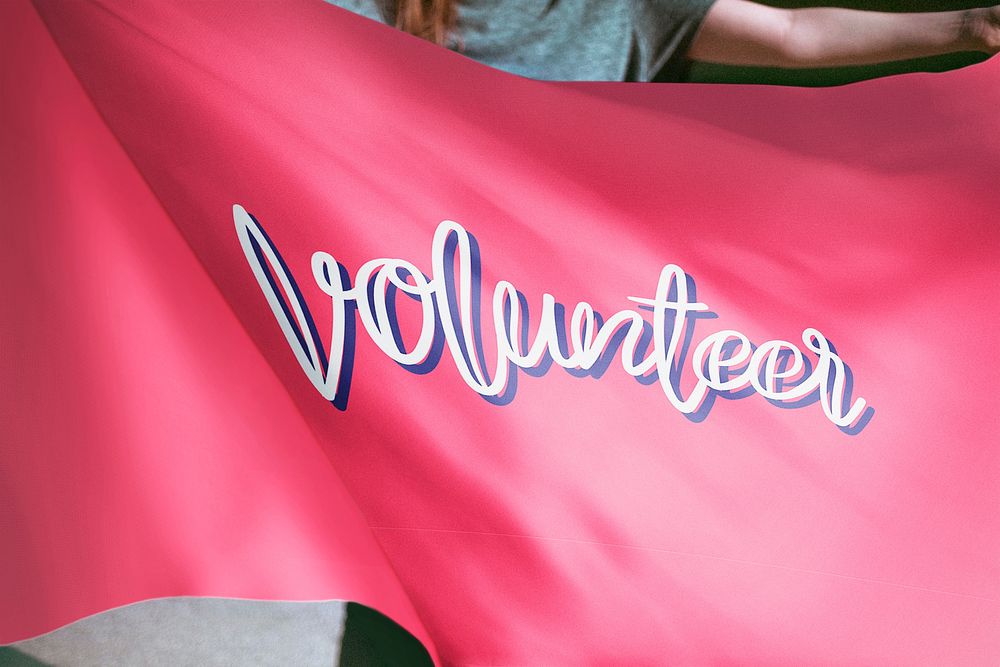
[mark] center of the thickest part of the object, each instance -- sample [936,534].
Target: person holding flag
[658,40]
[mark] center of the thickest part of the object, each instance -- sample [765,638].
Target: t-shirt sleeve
[663,33]
[377,10]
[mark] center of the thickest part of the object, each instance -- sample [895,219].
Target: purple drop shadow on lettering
[606,358]
[429,362]
[350,314]
[848,392]
[476,273]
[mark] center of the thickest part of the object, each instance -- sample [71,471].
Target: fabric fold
[758,426]
[148,450]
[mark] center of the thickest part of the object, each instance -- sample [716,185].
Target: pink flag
[296,307]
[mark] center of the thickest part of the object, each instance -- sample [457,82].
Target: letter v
[290,310]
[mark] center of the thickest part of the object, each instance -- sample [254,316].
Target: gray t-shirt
[572,40]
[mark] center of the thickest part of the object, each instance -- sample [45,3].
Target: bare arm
[739,32]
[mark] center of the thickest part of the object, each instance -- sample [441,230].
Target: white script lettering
[722,362]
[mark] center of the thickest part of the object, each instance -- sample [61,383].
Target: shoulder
[377,10]
[664,31]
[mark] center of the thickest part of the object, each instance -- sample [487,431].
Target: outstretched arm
[739,32]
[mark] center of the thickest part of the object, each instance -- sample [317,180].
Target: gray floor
[193,631]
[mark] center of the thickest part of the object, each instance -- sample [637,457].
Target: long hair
[432,20]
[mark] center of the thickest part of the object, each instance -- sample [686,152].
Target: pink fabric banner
[299,307]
